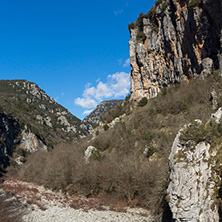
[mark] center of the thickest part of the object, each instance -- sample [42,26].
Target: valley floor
[42,205]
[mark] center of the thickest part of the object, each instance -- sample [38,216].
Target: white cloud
[118,12]
[120,61]
[86,102]
[117,85]
[126,63]
[89,91]
[87,112]
[120,84]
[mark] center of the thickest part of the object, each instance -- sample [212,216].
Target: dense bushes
[127,177]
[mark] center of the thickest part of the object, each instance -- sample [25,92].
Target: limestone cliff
[195,164]
[191,188]
[176,40]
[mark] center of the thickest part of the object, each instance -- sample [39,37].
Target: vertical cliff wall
[176,40]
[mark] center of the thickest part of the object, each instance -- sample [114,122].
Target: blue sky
[77,51]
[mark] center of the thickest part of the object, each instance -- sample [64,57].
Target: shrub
[194,3]
[127,97]
[155,29]
[95,155]
[164,7]
[196,132]
[124,108]
[105,127]
[150,151]
[141,36]
[158,2]
[139,21]
[132,25]
[143,102]
[151,13]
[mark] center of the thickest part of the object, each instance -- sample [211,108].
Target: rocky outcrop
[31,120]
[30,143]
[94,117]
[192,189]
[176,40]
[13,137]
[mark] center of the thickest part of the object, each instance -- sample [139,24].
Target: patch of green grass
[150,151]
[197,133]
[132,25]
[141,36]
[105,127]
[95,155]
[143,102]
[194,3]
[155,29]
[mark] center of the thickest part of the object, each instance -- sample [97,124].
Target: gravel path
[43,205]
[58,214]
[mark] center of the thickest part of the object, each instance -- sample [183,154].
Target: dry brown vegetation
[10,211]
[123,170]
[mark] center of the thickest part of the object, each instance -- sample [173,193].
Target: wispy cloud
[126,63]
[86,102]
[120,61]
[117,85]
[87,112]
[118,12]
[59,97]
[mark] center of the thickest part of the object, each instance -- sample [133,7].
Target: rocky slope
[94,117]
[30,120]
[176,40]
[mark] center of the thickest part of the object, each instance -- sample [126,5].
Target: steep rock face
[192,185]
[176,40]
[9,131]
[94,117]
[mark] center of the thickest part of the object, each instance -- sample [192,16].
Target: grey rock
[207,64]
[63,121]
[213,99]
[191,187]
[39,119]
[216,117]
[47,121]
[30,142]
[88,152]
